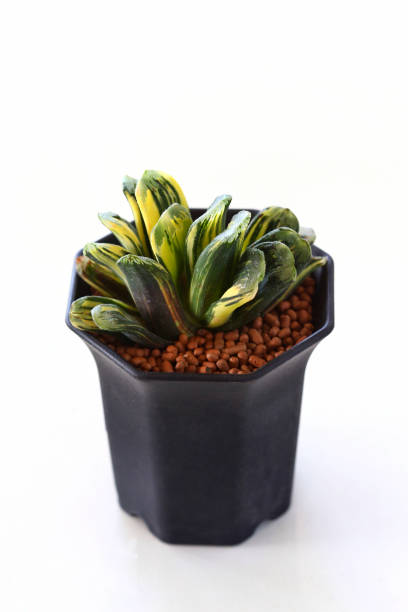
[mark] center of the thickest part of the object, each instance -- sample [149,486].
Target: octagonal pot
[203,458]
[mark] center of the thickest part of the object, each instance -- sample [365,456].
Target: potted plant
[200,323]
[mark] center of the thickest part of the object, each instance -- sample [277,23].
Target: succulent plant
[170,275]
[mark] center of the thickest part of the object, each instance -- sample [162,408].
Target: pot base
[224,539]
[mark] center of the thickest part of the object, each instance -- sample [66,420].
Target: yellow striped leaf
[155,296]
[267,220]
[94,274]
[80,311]
[129,187]
[168,240]
[315,262]
[204,229]
[280,272]
[123,231]
[216,265]
[250,272]
[114,318]
[106,255]
[300,248]
[155,192]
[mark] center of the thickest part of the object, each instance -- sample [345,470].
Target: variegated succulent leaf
[106,255]
[204,229]
[124,232]
[115,318]
[94,274]
[280,272]
[250,272]
[168,238]
[155,296]
[80,311]
[299,246]
[155,192]
[267,220]
[129,185]
[315,262]
[215,266]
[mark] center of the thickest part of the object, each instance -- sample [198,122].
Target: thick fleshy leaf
[114,318]
[308,234]
[250,272]
[315,262]
[124,232]
[300,248]
[168,240]
[106,255]
[267,220]
[155,296]
[155,192]
[94,274]
[279,262]
[129,187]
[280,273]
[216,265]
[204,229]
[80,311]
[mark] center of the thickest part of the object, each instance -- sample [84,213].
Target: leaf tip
[129,184]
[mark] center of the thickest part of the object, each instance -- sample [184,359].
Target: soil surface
[239,351]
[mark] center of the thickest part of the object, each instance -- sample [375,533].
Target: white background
[303,103]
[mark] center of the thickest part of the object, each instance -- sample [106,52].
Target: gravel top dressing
[239,351]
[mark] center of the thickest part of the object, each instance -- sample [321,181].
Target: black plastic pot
[203,458]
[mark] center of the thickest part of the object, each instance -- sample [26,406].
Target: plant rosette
[201,323]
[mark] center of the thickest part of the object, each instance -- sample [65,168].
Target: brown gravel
[239,351]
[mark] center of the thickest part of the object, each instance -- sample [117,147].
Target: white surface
[301,103]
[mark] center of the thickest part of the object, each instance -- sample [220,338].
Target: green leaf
[80,311]
[280,273]
[168,240]
[267,220]
[155,192]
[106,255]
[155,296]
[114,318]
[94,274]
[216,265]
[124,232]
[315,262]
[250,272]
[129,185]
[204,229]
[300,248]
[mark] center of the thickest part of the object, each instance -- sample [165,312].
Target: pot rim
[323,331]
